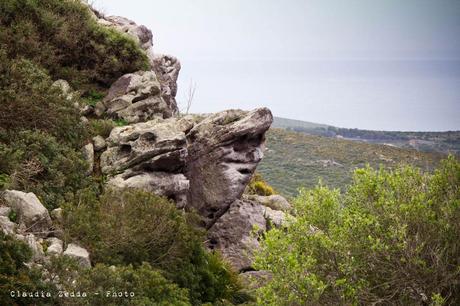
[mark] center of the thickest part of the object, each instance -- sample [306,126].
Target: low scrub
[392,239]
[130,227]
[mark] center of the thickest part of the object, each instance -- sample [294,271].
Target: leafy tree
[392,239]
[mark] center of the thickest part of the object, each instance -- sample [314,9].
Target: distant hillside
[444,142]
[294,160]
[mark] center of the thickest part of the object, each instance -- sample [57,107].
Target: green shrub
[391,239]
[62,37]
[14,275]
[101,127]
[131,227]
[29,102]
[258,186]
[147,285]
[37,162]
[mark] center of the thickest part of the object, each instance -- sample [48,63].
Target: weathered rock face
[136,97]
[31,213]
[275,201]
[172,186]
[152,157]
[157,145]
[205,164]
[167,69]
[141,34]
[223,152]
[235,233]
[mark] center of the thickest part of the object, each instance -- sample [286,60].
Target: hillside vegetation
[294,160]
[443,142]
[41,136]
[392,239]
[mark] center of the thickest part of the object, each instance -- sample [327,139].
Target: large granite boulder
[31,213]
[135,97]
[156,145]
[170,185]
[235,234]
[150,156]
[223,152]
[167,69]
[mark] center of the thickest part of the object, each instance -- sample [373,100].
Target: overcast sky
[318,47]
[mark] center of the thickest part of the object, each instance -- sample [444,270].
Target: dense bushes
[62,37]
[142,285]
[29,101]
[391,239]
[131,227]
[37,162]
[14,275]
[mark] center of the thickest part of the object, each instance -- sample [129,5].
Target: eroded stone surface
[235,234]
[31,213]
[223,152]
[135,97]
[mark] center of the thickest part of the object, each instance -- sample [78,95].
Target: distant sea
[416,95]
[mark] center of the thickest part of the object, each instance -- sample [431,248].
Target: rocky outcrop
[35,227]
[136,97]
[223,152]
[236,233]
[165,67]
[167,70]
[140,33]
[203,163]
[30,211]
[172,186]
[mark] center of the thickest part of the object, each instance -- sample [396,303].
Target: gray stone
[275,217]
[99,143]
[236,233]
[173,186]
[88,155]
[5,211]
[31,213]
[276,201]
[8,227]
[167,69]
[35,246]
[80,254]
[156,145]
[223,152]
[56,214]
[135,97]
[55,246]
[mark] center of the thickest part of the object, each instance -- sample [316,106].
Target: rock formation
[224,150]
[35,227]
[203,163]
[136,97]
[165,67]
[32,215]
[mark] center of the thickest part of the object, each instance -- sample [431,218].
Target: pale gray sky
[381,64]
